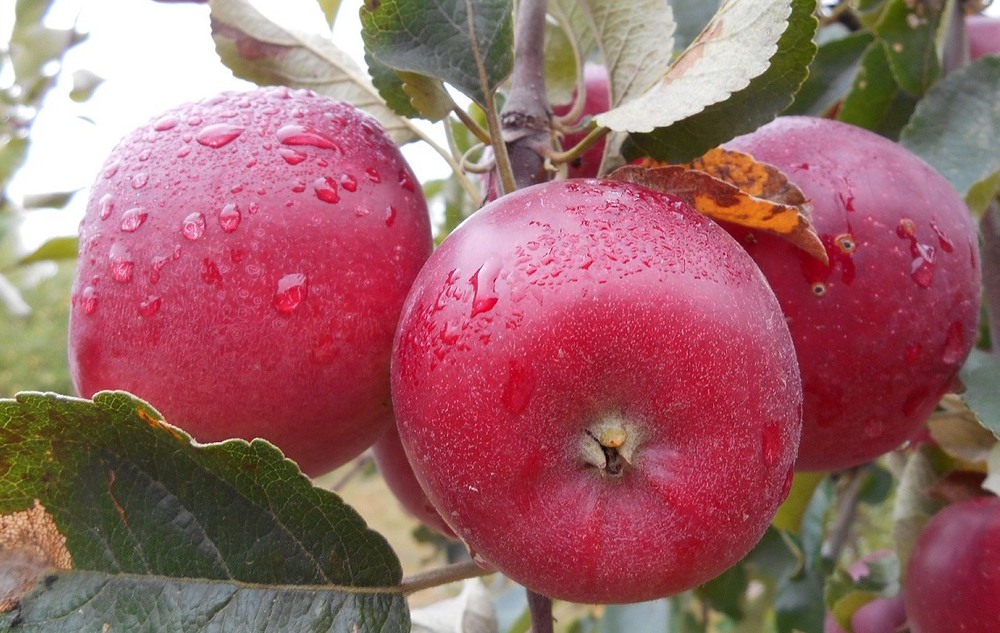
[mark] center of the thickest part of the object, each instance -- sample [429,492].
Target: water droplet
[230,217]
[771,444]
[955,346]
[253,207]
[145,154]
[361,212]
[111,170]
[291,156]
[159,261]
[943,240]
[349,183]
[218,135]
[912,353]
[298,187]
[519,387]
[194,120]
[122,270]
[291,292]
[133,219]
[184,151]
[139,180]
[390,215]
[106,206]
[326,190]
[406,180]
[373,174]
[165,123]
[922,268]
[194,226]
[484,295]
[301,135]
[88,300]
[210,272]
[149,306]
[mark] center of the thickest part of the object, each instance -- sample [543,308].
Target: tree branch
[540,608]
[442,576]
[990,228]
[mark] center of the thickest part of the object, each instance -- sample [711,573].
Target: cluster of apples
[598,389]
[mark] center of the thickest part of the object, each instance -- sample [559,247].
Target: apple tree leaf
[956,128]
[56,248]
[731,186]
[703,74]
[767,94]
[914,506]
[876,101]
[560,64]
[981,377]
[270,50]
[831,74]
[957,430]
[908,32]
[467,45]
[166,534]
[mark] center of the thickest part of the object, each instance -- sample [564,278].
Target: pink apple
[983,33]
[598,392]
[597,98]
[243,262]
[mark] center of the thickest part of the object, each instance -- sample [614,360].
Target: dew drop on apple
[133,218]
[149,306]
[230,217]
[390,215]
[165,123]
[88,300]
[218,135]
[298,135]
[106,206]
[373,175]
[406,181]
[193,226]
[139,180]
[122,268]
[291,291]
[111,170]
[349,182]
[326,190]
[955,347]
[484,295]
[291,156]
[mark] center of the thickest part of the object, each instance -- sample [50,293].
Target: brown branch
[990,228]
[442,576]
[540,608]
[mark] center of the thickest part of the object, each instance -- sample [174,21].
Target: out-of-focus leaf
[992,481]
[50,200]
[57,248]
[741,29]
[793,508]
[981,377]
[166,534]
[959,432]
[908,32]
[85,83]
[876,102]
[269,50]
[329,8]
[876,485]
[427,95]
[560,65]
[471,611]
[725,593]
[956,128]
[767,95]
[11,300]
[830,74]
[633,618]
[467,45]
[913,505]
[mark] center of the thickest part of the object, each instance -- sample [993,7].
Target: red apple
[881,331]
[243,262]
[393,465]
[597,391]
[881,615]
[597,99]
[983,33]
[953,576]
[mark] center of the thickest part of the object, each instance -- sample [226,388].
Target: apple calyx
[609,446]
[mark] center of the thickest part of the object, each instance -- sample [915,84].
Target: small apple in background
[881,615]
[597,99]
[881,331]
[243,261]
[983,34]
[597,391]
[393,465]
[953,576]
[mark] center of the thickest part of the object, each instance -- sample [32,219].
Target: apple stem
[442,576]
[847,509]
[526,118]
[540,608]
[990,229]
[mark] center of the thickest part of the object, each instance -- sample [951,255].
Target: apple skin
[983,34]
[953,576]
[883,330]
[881,615]
[571,311]
[394,466]
[243,261]
[597,99]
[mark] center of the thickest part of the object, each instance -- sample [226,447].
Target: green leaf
[725,593]
[913,506]
[703,75]
[981,377]
[908,31]
[831,74]
[162,531]
[468,45]
[269,50]
[761,101]
[876,102]
[390,86]
[956,129]
[560,65]
[642,616]
[329,9]
[54,249]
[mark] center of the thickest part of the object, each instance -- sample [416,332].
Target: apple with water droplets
[952,578]
[882,329]
[597,391]
[243,262]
